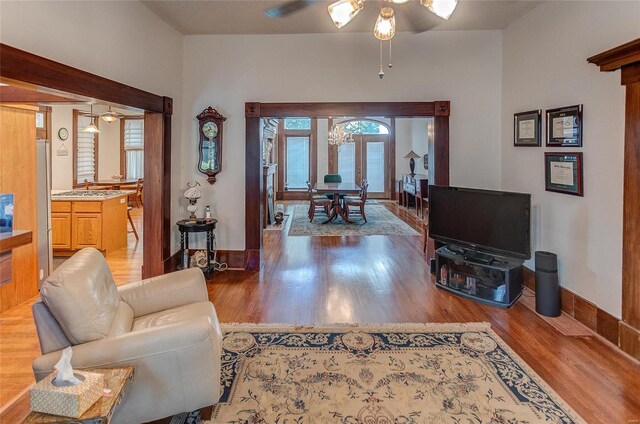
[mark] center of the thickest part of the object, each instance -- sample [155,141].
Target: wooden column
[254,191]
[627,58]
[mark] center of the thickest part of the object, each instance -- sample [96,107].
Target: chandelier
[343,11]
[338,136]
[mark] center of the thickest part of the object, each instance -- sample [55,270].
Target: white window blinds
[134,148]
[375,166]
[297,161]
[86,157]
[347,162]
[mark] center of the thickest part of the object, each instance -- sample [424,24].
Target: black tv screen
[493,221]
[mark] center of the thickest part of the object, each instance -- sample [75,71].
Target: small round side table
[187,226]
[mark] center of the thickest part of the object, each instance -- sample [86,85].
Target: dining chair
[317,202]
[358,201]
[137,196]
[133,227]
[333,178]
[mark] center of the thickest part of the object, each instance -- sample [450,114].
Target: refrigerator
[43,176]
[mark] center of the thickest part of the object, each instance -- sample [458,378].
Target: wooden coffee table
[100,412]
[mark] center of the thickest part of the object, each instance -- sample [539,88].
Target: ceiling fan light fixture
[385,27]
[399,1]
[343,11]
[441,8]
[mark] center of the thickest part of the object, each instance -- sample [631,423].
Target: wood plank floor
[320,280]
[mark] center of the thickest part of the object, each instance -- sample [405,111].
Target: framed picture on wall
[563,173]
[564,127]
[526,128]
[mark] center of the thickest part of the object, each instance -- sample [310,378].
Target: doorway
[254,154]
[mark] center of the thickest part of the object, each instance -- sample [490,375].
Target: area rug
[382,374]
[380,222]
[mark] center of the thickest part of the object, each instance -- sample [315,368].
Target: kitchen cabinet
[98,223]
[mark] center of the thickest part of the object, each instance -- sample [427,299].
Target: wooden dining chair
[133,227]
[358,201]
[333,178]
[135,198]
[316,202]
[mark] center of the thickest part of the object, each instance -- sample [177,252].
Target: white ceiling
[192,17]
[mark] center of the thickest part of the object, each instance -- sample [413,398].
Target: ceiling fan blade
[418,21]
[288,8]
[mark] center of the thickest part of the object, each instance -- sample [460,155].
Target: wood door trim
[57,78]
[254,111]
[627,58]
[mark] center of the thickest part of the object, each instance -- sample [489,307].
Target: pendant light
[442,8]
[343,11]
[91,128]
[385,27]
[109,116]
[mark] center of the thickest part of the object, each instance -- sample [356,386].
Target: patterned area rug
[380,222]
[382,374]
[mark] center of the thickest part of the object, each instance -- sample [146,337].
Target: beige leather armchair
[164,326]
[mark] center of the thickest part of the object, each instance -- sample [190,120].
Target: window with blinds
[297,157]
[375,166]
[347,162]
[133,142]
[86,154]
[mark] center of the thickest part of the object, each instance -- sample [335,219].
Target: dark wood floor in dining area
[318,280]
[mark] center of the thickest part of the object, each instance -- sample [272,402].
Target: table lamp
[412,156]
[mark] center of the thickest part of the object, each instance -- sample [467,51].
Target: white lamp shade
[91,128]
[442,8]
[343,11]
[385,27]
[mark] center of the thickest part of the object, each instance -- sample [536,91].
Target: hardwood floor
[320,280]
[18,339]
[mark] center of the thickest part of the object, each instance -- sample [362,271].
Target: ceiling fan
[343,11]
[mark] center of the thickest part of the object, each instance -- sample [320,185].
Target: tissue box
[72,401]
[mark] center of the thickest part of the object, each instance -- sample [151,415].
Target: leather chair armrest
[129,348]
[165,291]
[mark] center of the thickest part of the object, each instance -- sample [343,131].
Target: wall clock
[63,133]
[210,143]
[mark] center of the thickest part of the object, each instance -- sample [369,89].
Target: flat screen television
[495,222]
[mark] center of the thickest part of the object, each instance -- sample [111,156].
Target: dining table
[337,189]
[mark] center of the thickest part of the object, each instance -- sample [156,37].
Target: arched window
[364,126]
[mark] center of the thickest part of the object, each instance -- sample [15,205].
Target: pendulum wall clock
[210,143]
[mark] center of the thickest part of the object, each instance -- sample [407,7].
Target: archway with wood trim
[254,112]
[54,77]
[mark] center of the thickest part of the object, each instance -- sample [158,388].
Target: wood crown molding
[617,57]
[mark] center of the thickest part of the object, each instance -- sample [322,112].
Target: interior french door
[367,158]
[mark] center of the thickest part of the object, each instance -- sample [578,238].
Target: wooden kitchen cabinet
[77,224]
[87,230]
[61,230]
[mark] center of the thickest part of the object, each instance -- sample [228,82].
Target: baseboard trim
[618,332]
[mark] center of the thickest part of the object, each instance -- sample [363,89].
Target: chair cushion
[177,315]
[82,296]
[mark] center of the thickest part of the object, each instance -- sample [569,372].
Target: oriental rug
[382,374]
[380,221]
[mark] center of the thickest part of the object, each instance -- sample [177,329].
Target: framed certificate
[564,127]
[526,128]
[563,173]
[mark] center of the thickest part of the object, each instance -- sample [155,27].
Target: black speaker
[547,284]
[432,265]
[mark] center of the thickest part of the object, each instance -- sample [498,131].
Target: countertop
[88,195]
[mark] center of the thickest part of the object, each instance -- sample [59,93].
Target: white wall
[227,71]
[544,67]
[144,51]
[62,166]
